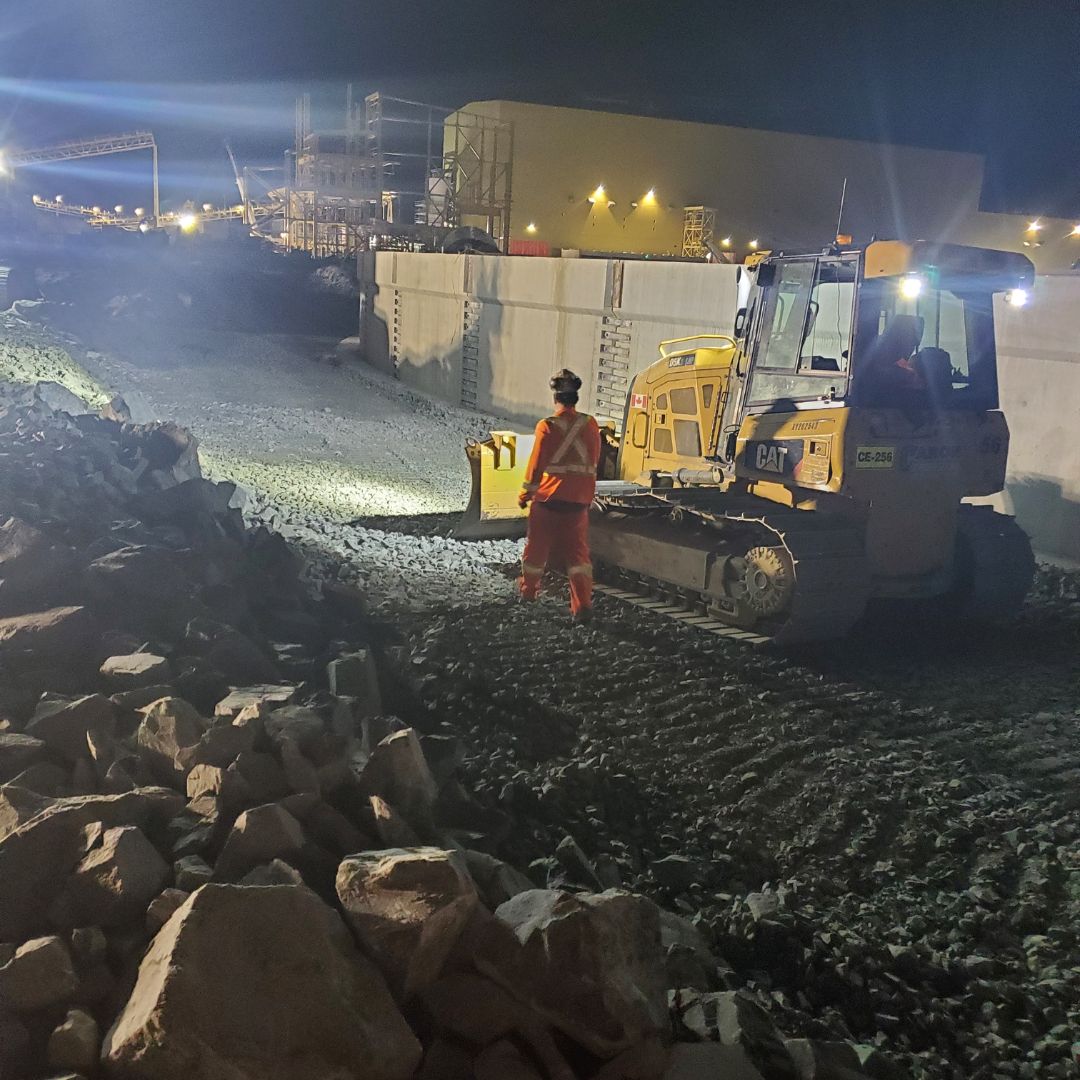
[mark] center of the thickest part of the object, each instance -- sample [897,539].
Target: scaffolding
[397,174]
[699,230]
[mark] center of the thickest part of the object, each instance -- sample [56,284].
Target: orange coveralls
[561,481]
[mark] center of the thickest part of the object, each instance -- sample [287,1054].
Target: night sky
[994,77]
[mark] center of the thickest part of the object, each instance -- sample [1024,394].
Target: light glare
[187,222]
[911,288]
[1017,297]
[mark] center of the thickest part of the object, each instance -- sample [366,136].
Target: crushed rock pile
[223,852]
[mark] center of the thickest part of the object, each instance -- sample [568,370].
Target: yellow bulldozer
[777,480]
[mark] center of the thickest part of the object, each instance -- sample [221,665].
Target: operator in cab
[560,482]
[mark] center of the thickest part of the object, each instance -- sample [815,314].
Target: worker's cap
[563,381]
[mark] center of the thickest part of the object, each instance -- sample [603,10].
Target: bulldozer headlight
[911,287]
[1017,297]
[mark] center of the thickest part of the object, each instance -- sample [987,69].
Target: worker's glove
[523,499]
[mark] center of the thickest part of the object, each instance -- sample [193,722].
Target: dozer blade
[497,466]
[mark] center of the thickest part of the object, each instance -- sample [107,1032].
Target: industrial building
[606,182]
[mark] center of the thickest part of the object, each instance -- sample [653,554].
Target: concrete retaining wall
[487,332]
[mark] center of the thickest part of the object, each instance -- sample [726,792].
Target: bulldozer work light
[911,287]
[1017,297]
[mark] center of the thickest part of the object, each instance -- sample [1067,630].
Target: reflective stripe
[565,470]
[531,571]
[584,570]
[570,440]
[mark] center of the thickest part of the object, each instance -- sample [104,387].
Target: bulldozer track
[680,614]
[832,580]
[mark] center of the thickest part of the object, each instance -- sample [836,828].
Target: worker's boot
[582,617]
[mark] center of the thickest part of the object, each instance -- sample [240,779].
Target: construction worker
[560,482]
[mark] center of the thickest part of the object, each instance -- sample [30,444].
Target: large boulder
[113,883]
[36,859]
[135,670]
[17,806]
[398,772]
[259,835]
[40,974]
[169,726]
[258,984]
[593,965]
[74,1042]
[46,637]
[17,751]
[63,724]
[391,898]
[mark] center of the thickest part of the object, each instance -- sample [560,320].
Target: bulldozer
[777,480]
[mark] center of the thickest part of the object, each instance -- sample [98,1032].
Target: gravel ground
[882,835]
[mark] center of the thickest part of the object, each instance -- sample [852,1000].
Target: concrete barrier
[487,332]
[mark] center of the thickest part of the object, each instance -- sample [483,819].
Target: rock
[15,1054]
[138,699]
[876,1065]
[295,724]
[38,976]
[734,1019]
[398,772]
[44,778]
[198,827]
[259,835]
[190,872]
[53,636]
[274,872]
[136,670]
[224,784]
[392,829]
[676,872]
[479,1011]
[62,723]
[301,775]
[354,675]
[595,964]
[496,880]
[37,858]
[815,1060]
[689,963]
[74,1043]
[113,883]
[504,1061]
[447,1059]
[444,755]
[17,806]
[162,907]
[17,751]
[709,1061]
[263,775]
[266,697]
[30,564]
[335,831]
[208,1001]
[646,1061]
[168,726]
[220,746]
[390,896]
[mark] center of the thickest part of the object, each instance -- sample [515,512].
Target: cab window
[661,441]
[684,401]
[805,338]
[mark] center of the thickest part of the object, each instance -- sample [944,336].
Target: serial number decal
[682,361]
[875,457]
